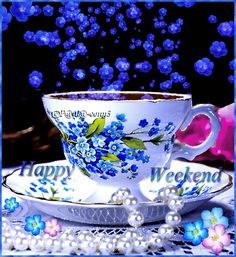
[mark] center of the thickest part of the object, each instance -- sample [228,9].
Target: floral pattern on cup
[105,149]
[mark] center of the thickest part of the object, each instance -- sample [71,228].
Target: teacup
[116,138]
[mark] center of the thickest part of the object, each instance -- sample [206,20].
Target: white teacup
[116,138]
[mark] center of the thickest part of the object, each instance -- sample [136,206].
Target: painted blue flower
[121,117]
[22,10]
[117,134]
[215,217]
[98,141]
[148,45]
[111,172]
[106,71]
[35,79]
[195,232]
[34,224]
[226,29]
[117,125]
[81,48]
[145,66]
[80,162]
[134,168]
[130,153]
[89,155]
[157,121]
[43,190]
[70,31]
[204,66]
[82,144]
[143,123]
[42,181]
[11,204]
[164,66]
[79,74]
[93,169]
[153,131]
[122,64]
[104,165]
[6,18]
[115,147]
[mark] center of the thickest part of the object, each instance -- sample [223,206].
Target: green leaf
[110,157]
[85,172]
[55,198]
[96,127]
[157,140]
[53,191]
[133,142]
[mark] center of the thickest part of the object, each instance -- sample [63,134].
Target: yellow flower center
[11,204]
[34,224]
[215,238]
[213,221]
[195,232]
[51,227]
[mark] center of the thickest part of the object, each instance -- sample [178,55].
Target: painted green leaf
[157,140]
[85,172]
[96,127]
[110,157]
[53,191]
[133,142]
[55,198]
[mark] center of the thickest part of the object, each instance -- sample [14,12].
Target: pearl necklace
[131,241]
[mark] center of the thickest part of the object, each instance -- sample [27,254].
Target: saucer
[71,200]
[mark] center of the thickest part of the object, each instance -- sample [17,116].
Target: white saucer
[73,200]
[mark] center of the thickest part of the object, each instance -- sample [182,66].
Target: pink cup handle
[181,150]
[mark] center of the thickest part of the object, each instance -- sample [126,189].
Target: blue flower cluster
[164,65]
[43,38]
[218,49]
[108,152]
[204,66]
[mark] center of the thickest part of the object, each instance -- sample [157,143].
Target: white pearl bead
[136,219]
[173,218]
[89,247]
[7,242]
[85,236]
[155,241]
[169,191]
[124,246]
[176,203]
[53,245]
[160,195]
[21,243]
[106,247]
[140,245]
[69,246]
[36,244]
[99,237]
[67,234]
[123,192]
[166,231]
[130,202]
[131,233]
[115,198]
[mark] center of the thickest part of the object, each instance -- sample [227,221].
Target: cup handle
[182,150]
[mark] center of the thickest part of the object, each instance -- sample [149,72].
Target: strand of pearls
[131,241]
